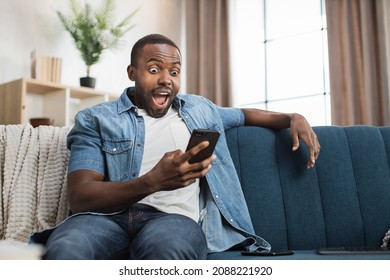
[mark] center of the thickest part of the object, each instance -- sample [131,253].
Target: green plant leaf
[92,29]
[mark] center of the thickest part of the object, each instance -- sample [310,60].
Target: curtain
[358,68]
[207,50]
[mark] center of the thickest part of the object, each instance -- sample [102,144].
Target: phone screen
[200,135]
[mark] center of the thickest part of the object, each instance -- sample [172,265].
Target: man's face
[157,78]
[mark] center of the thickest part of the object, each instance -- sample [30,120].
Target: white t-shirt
[163,135]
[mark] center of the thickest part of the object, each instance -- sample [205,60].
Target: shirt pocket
[118,158]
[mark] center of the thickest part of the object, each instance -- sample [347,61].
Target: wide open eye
[153,70]
[175,72]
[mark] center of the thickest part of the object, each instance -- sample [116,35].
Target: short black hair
[146,40]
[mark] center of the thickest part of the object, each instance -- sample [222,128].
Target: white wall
[28,25]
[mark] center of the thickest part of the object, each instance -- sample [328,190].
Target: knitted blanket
[386,239]
[33,165]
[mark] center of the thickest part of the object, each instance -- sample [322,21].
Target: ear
[131,72]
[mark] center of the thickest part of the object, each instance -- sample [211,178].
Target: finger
[295,140]
[312,155]
[311,161]
[199,166]
[194,150]
[189,182]
[318,151]
[312,158]
[316,146]
[314,150]
[173,154]
[199,170]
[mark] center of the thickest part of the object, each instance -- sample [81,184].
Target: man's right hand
[174,171]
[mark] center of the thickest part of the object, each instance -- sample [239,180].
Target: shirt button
[216,196]
[231,220]
[114,150]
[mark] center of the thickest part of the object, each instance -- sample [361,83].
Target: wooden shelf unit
[24,98]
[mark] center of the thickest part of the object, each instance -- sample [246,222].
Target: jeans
[139,233]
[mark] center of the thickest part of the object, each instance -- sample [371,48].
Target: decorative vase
[87,82]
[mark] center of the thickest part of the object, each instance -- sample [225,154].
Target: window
[279,57]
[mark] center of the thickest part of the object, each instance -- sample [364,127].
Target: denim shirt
[109,138]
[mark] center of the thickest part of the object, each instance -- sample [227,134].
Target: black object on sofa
[343,202]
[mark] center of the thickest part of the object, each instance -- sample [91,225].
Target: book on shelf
[46,68]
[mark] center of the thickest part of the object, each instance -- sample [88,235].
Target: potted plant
[93,32]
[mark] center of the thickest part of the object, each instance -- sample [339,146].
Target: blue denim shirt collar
[124,102]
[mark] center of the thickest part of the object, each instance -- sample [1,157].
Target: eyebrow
[154,59]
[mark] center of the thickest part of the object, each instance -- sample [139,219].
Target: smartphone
[277,253]
[200,135]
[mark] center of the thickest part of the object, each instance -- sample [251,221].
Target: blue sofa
[343,201]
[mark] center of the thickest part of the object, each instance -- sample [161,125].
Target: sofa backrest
[343,201]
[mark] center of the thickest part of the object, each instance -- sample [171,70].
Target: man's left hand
[301,130]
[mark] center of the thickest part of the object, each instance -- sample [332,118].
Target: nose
[165,78]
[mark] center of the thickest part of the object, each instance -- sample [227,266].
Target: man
[131,189]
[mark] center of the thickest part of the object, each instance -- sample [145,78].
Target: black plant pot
[88,82]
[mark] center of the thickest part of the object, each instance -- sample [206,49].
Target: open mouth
[161,98]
